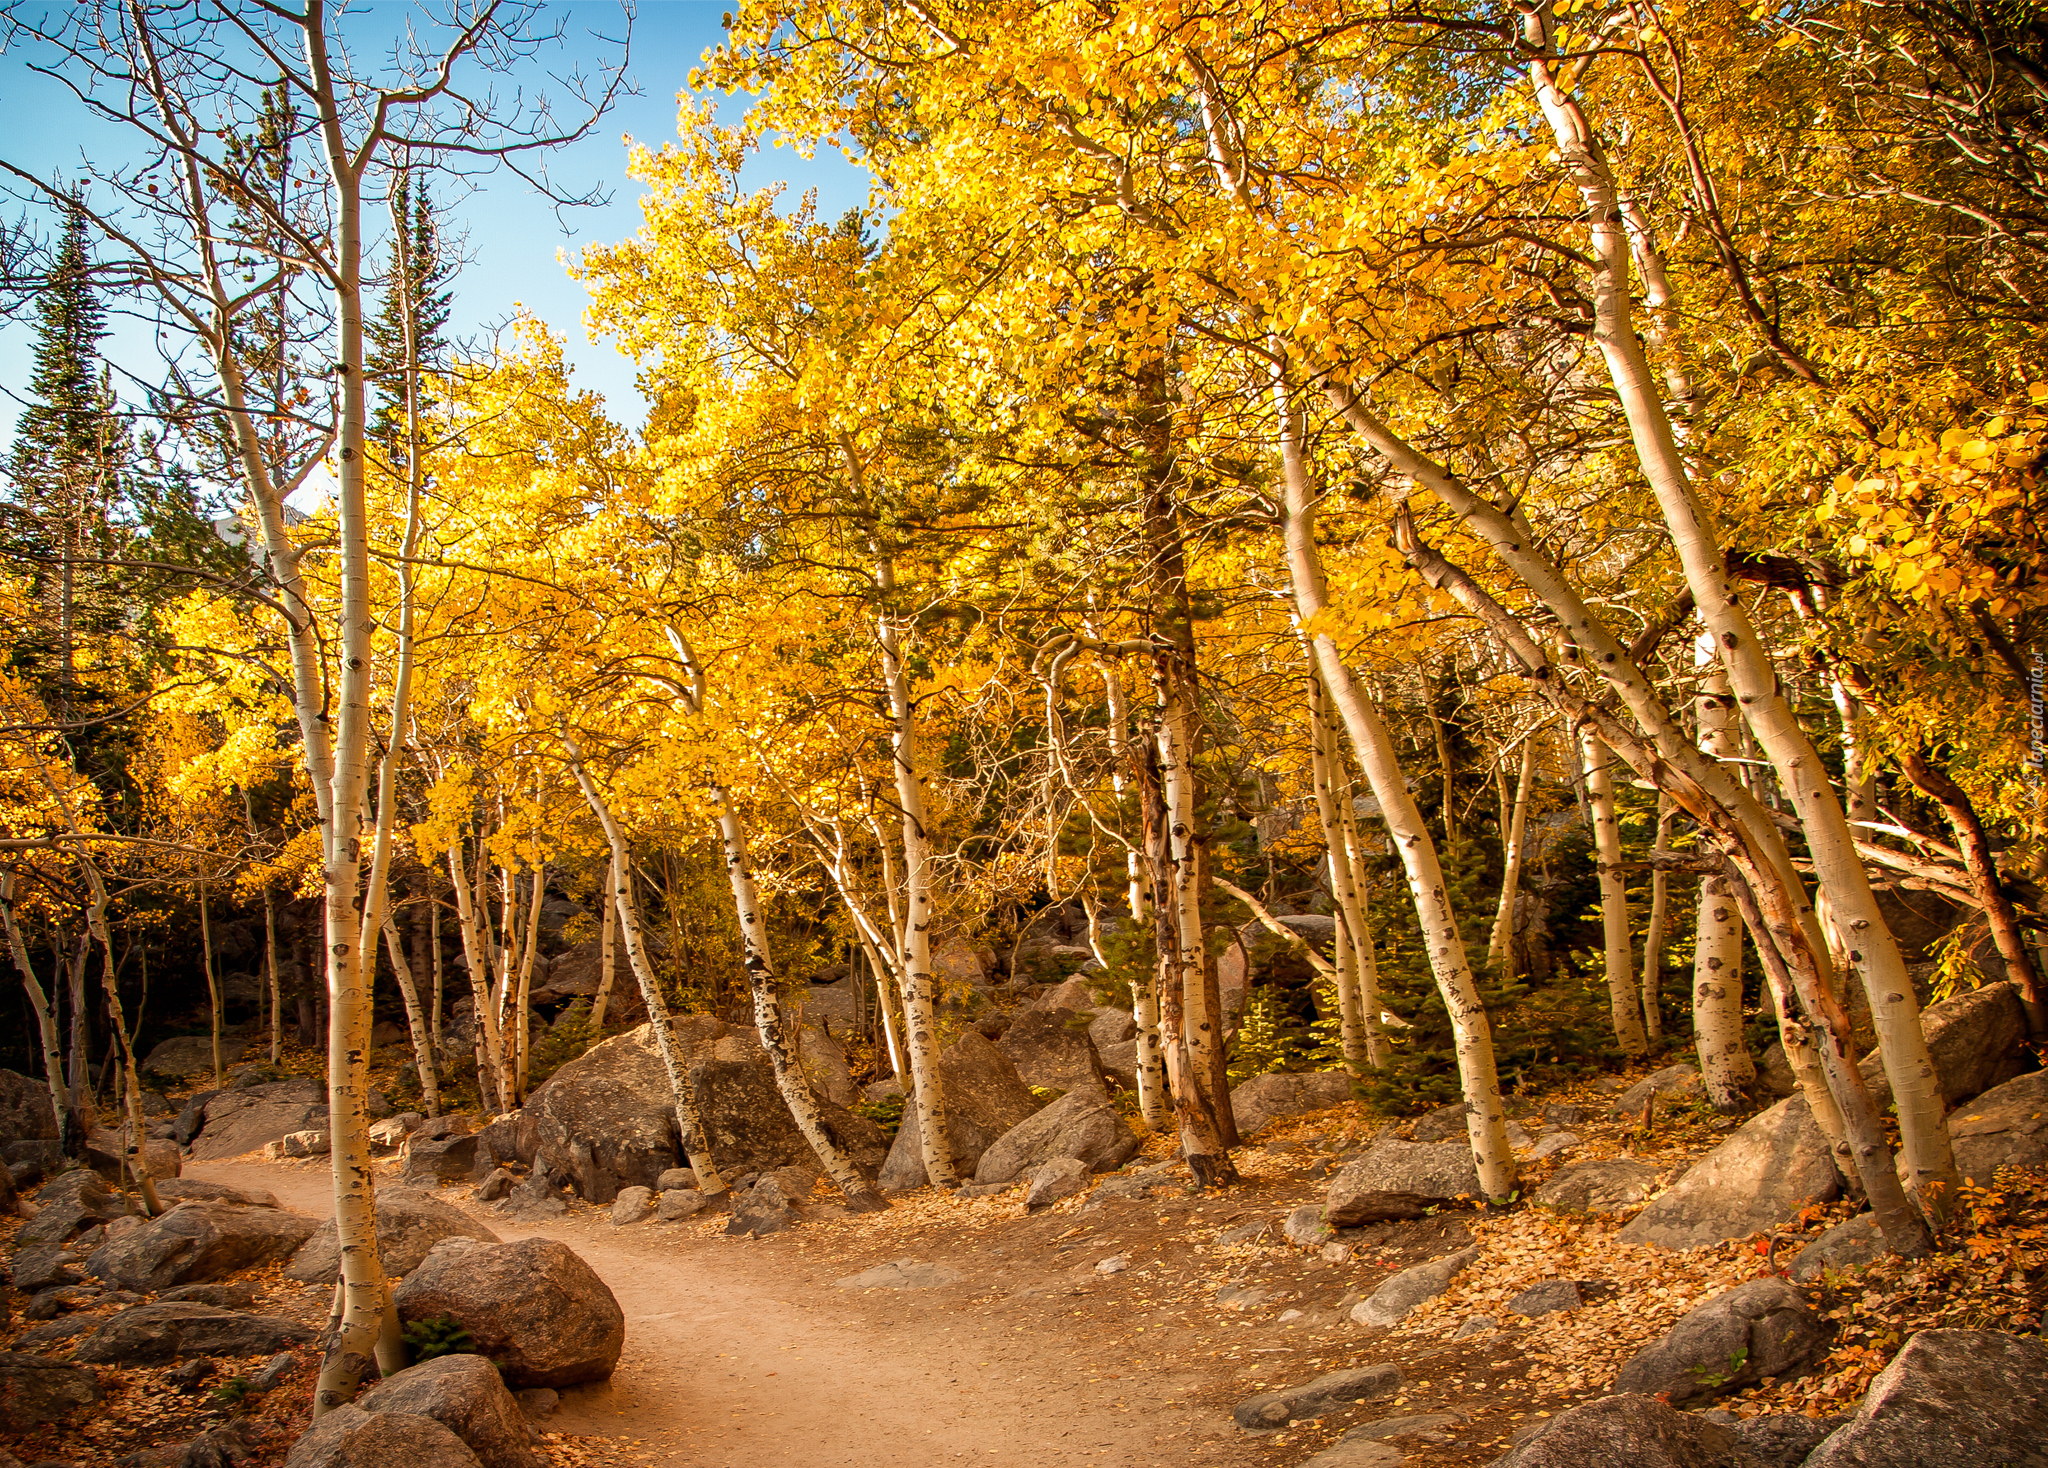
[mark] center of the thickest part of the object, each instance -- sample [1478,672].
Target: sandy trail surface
[743,1354]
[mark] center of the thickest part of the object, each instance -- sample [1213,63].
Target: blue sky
[514,241]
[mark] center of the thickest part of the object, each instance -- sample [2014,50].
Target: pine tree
[66,482]
[417,286]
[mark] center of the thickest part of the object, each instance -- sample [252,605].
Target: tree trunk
[212,985]
[1323,760]
[1500,948]
[1895,1010]
[1363,957]
[39,1002]
[1624,1009]
[607,954]
[423,1058]
[1485,1116]
[696,1141]
[474,943]
[1151,1063]
[1654,935]
[270,973]
[1726,1068]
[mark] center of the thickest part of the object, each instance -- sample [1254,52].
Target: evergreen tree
[417,284]
[66,484]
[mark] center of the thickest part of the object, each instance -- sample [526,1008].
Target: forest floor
[748,1353]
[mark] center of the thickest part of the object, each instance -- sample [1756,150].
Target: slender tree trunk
[1354,1024]
[1983,869]
[525,1001]
[476,962]
[696,1141]
[212,985]
[39,1002]
[1151,1063]
[1202,1144]
[423,1057]
[607,954]
[1623,1007]
[1485,1116]
[1726,1067]
[434,951]
[1500,948]
[1654,935]
[270,973]
[78,1064]
[1916,1090]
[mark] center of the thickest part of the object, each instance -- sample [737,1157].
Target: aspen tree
[1500,947]
[1726,1068]
[1624,1008]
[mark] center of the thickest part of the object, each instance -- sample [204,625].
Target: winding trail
[745,1355]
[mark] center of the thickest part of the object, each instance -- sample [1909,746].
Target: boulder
[1783,1439]
[615,1099]
[1072,994]
[300,1144]
[1672,1082]
[1630,1432]
[633,1205]
[751,1130]
[35,1390]
[1112,1026]
[152,1335]
[2007,1126]
[409,1223]
[1950,1399]
[956,965]
[68,1205]
[1763,1328]
[768,1206]
[243,1120]
[1062,1177]
[440,1159]
[985,1098]
[1263,1100]
[1312,1399]
[1080,1125]
[533,1306]
[680,1203]
[195,1242]
[466,1395]
[349,1437]
[1977,1040]
[1845,1246]
[1547,1297]
[823,1060]
[389,1134]
[511,1138]
[1051,1050]
[201,1190]
[1404,1291]
[220,1296]
[1304,1227]
[37,1267]
[675,1177]
[1771,1168]
[496,1184]
[535,1198]
[1606,1185]
[25,1114]
[1396,1179]
[183,1057]
[1774,1074]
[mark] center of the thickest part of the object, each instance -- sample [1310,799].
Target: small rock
[1671,1082]
[1115,1264]
[273,1373]
[1336,1252]
[539,1402]
[1277,1409]
[902,1274]
[430,1159]
[1241,1297]
[1475,1325]
[186,1378]
[1845,1246]
[305,1144]
[1547,1298]
[1608,1185]
[1061,1177]
[35,1390]
[150,1335]
[498,1183]
[680,1203]
[1305,1229]
[633,1205]
[1784,1439]
[1404,1291]
[220,1296]
[535,1198]
[675,1178]
[39,1267]
[1287,1315]
[1552,1143]
[1410,1426]
[1245,1233]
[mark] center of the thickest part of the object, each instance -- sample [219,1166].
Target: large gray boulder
[429,1160]
[1263,1100]
[2007,1126]
[245,1119]
[533,1306]
[1313,1398]
[1397,1179]
[614,1100]
[985,1098]
[1401,1293]
[184,1056]
[349,1437]
[1078,1125]
[750,1128]
[152,1335]
[195,1242]
[1052,1051]
[1675,1082]
[1977,1040]
[1605,1185]
[69,1204]
[34,1390]
[1950,1399]
[466,1395]
[1630,1432]
[1775,1165]
[409,1223]
[25,1112]
[203,1190]
[1763,1328]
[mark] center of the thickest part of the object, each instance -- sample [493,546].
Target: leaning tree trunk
[423,1058]
[1654,936]
[476,962]
[607,954]
[39,1002]
[1352,1020]
[1500,946]
[1624,1009]
[696,1141]
[1361,937]
[1895,1010]
[1485,1116]
[1726,1068]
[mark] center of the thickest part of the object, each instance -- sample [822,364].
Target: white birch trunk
[1654,936]
[1624,1009]
[1500,947]
[423,1057]
[476,963]
[1324,762]
[1151,1065]
[1201,1135]
[1726,1067]
[1485,1117]
[607,954]
[1928,1158]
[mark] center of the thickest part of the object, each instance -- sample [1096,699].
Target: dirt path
[745,1355]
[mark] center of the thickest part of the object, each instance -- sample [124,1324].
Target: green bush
[438,1335]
